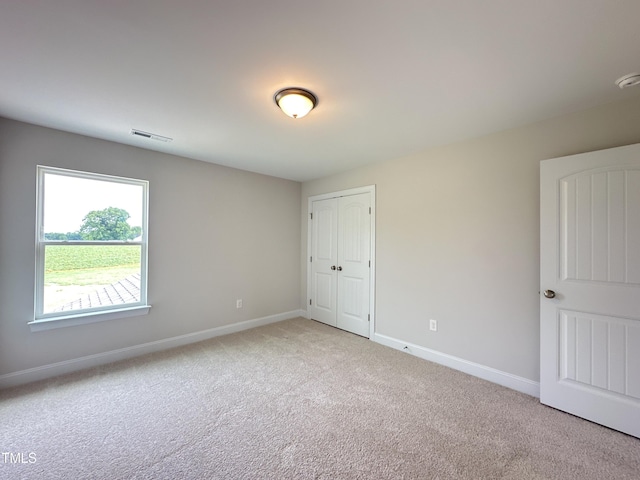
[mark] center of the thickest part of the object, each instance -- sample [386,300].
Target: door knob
[339,269]
[333,267]
[549,294]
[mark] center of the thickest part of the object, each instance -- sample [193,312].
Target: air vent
[150,136]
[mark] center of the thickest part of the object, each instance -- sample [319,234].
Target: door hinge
[369,263]
[368,317]
[309,301]
[369,210]
[310,259]
[311,215]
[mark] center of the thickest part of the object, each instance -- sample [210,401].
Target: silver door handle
[339,269]
[549,294]
[333,267]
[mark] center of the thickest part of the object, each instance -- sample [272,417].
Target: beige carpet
[295,400]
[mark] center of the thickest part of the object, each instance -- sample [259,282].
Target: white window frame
[46,321]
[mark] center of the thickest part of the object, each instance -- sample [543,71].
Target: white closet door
[354,244]
[341,262]
[590,286]
[324,261]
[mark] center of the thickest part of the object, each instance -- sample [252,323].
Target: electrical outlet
[239,303]
[433,325]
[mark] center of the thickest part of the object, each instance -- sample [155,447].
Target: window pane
[78,277]
[88,209]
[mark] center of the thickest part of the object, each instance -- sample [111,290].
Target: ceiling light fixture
[295,102]
[629,80]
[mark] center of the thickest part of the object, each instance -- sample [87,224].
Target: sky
[68,199]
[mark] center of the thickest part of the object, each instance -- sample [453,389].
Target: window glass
[80,277]
[99,209]
[91,245]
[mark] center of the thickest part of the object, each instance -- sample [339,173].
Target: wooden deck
[119,293]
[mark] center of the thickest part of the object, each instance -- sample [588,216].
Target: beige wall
[458,236]
[216,234]
[457,240]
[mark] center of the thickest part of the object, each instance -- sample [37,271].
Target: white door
[354,260]
[340,262]
[590,261]
[324,261]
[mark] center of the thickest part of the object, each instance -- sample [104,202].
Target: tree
[55,236]
[135,232]
[64,236]
[108,224]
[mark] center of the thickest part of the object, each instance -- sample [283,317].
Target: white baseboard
[505,379]
[74,364]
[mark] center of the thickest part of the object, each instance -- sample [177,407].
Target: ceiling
[392,78]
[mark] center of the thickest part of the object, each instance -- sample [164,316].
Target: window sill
[85,318]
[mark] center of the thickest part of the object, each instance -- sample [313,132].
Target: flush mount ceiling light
[295,102]
[628,80]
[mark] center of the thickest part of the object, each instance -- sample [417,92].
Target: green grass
[90,276]
[79,257]
[90,264]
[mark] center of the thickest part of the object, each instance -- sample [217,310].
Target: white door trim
[371,189]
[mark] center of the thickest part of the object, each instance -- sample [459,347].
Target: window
[91,248]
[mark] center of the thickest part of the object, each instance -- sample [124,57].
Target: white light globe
[294,102]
